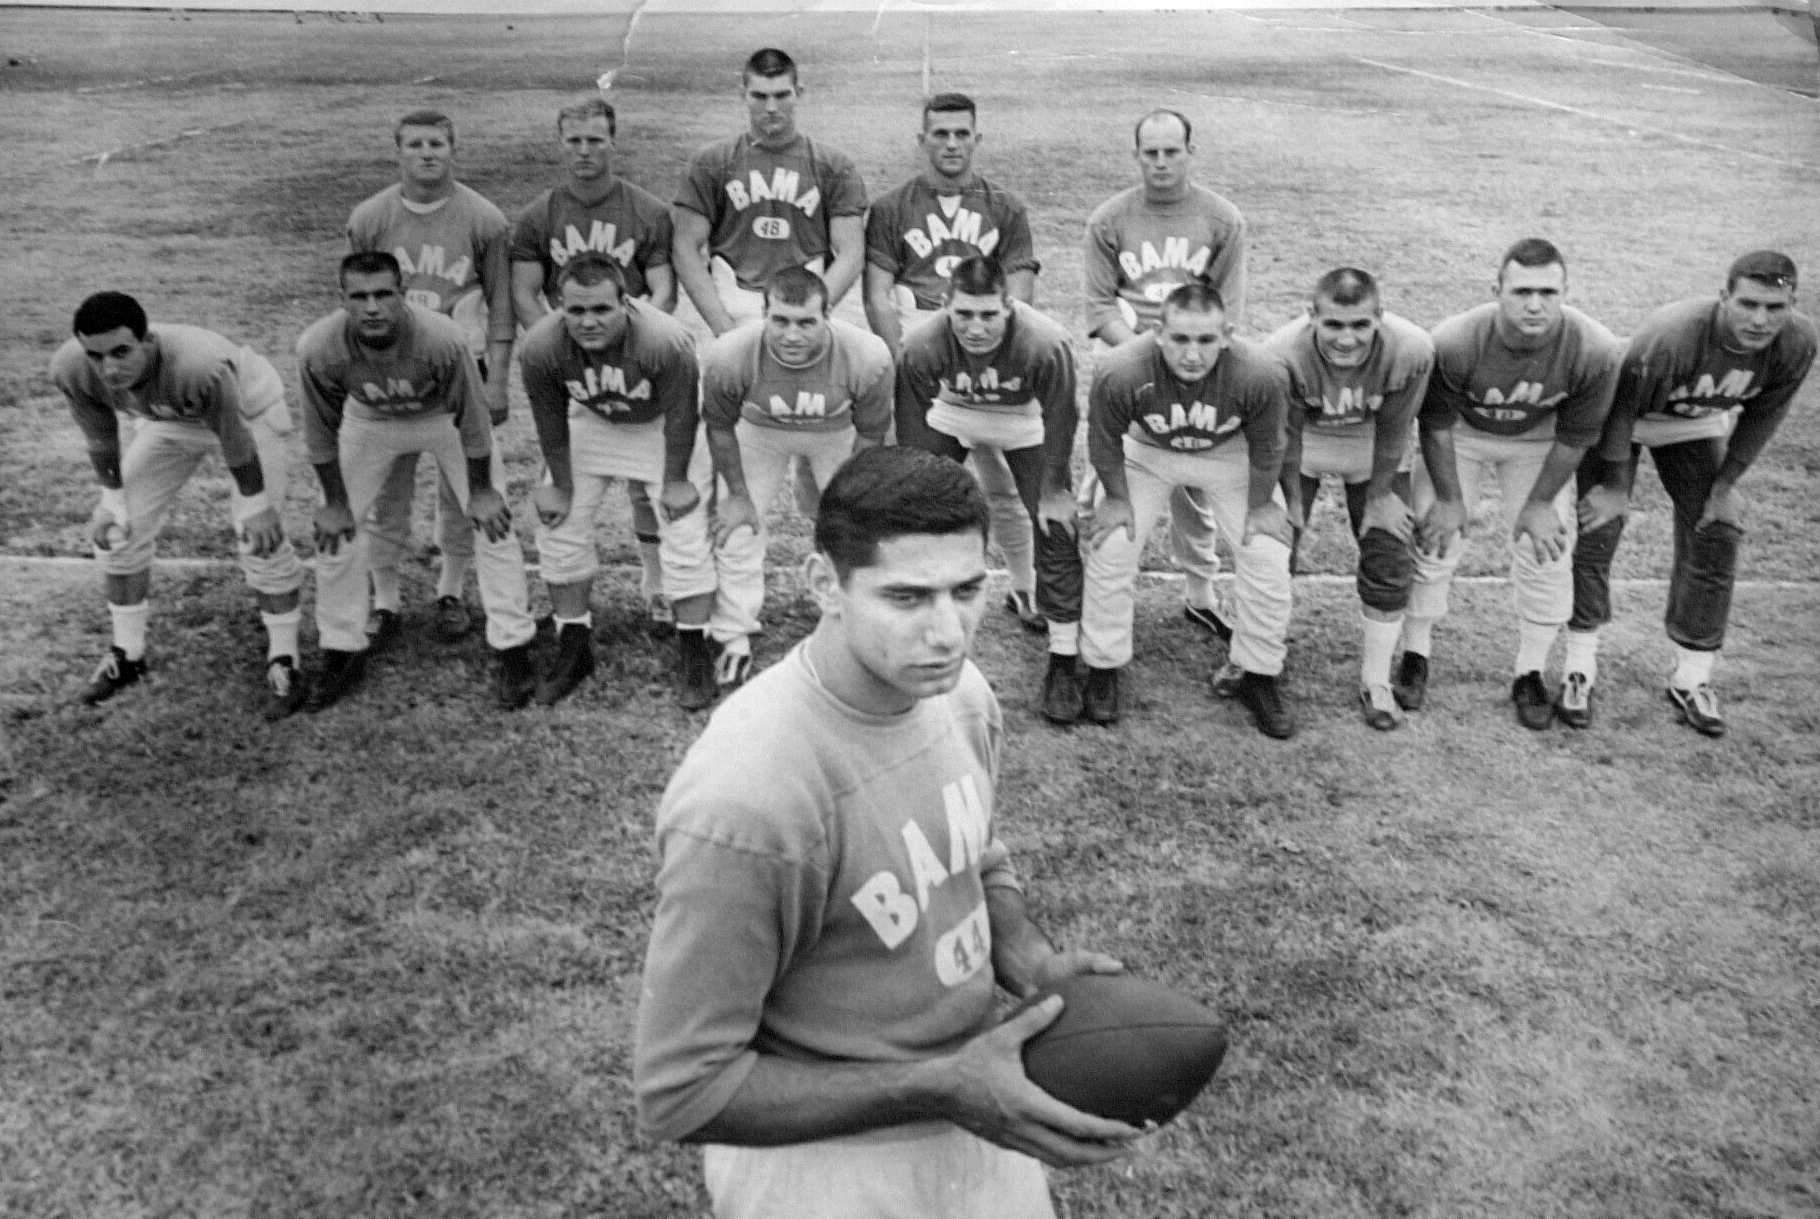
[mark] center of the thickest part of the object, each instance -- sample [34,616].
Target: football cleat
[1264,698]
[1378,705]
[514,681]
[573,663]
[340,673]
[286,689]
[1535,710]
[1021,603]
[660,615]
[1209,618]
[114,674]
[696,687]
[1226,680]
[1699,708]
[453,621]
[732,669]
[384,630]
[1100,698]
[1062,699]
[1573,705]
[1410,687]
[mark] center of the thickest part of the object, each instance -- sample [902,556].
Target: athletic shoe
[1226,680]
[1410,687]
[660,615]
[1699,708]
[340,673]
[384,630]
[1264,699]
[1100,699]
[1022,605]
[1379,707]
[731,670]
[514,680]
[696,688]
[452,618]
[287,688]
[114,674]
[1062,701]
[1209,618]
[1535,710]
[573,663]
[1573,706]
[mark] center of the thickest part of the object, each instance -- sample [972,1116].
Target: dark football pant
[1706,560]
[1058,557]
[1387,566]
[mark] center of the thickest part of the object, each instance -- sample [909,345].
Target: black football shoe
[514,681]
[1264,698]
[1378,706]
[696,688]
[1210,618]
[286,689]
[1410,686]
[732,670]
[1226,680]
[339,674]
[1100,699]
[1699,708]
[453,619]
[114,674]
[573,664]
[384,630]
[1535,710]
[1573,705]
[1062,698]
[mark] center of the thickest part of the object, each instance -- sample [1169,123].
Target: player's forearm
[528,306]
[662,285]
[480,473]
[1021,286]
[723,447]
[1114,332]
[782,1101]
[881,310]
[1018,946]
[844,272]
[556,461]
[1061,419]
[499,362]
[248,478]
[1756,425]
[1559,466]
[1262,485]
[107,466]
[690,262]
[681,423]
[1106,448]
[1387,453]
[334,491]
[1438,457]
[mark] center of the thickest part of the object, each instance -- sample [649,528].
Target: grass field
[381,961]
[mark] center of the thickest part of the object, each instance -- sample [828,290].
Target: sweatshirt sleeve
[1580,418]
[1100,268]
[1110,408]
[1227,273]
[872,397]
[323,399]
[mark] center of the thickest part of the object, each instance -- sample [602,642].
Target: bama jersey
[1346,401]
[1558,388]
[627,223]
[1138,252]
[194,378]
[454,257]
[918,234]
[822,895]
[767,208]
[647,371]
[849,386]
[1680,382]
[1135,394]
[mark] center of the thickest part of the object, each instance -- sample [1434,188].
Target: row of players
[1527,363]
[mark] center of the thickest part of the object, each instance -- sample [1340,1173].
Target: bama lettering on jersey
[918,234]
[766,208]
[1676,367]
[627,224]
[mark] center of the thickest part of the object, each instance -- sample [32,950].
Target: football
[1125,1049]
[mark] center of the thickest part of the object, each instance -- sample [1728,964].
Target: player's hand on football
[1547,535]
[1056,508]
[1601,505]
[1108,515]
[1725,506]
[334,522]
[734,513]
[1069,963]
[1272,521]
[1389,513]
[678,498]
[107,531]
[1439,527]
[989,1095]
[487,509]
[552,503]
[263,532]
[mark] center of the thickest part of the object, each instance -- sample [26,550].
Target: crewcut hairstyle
[949,103]
[769,61]
[1345,287]
[105,311]
[1770,267]
[978,275]
[583,109]
[1137,132]
[424,118]
[370,262]
[1532,252]
[1195,297]
[796,286]
[589,269]
[891,492]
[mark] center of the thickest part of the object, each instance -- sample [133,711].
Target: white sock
[1534,642]
[1418,635]
[454,574]
[586,619]
[281,634]
[1200,591]
[1065,638]
[1583,653]
[129,627]
[1380,641]
[1692,669]
[651,568]
[385,588]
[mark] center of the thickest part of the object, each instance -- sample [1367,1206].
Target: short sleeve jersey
[646,373]
[1680,382]
[426,371]
[194,378]
[1347,401]
[453,258]
[768,209]
[849,386]
[1138,252]
[1034,363]
[1135,394]
[628,224]
[1558,388]
[822,892]
[918,234]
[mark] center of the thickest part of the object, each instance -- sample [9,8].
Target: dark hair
[1345,286]
[1195,297]
[978,275]
[1137,132]
[769,61]
[1770,267]
[796,286]
[585,108]
[105,311]
[949,103]
[423,118]
[889,492]
[370,262]
[590,268]
[1532,252]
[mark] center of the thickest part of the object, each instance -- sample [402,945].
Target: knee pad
[1387,568]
